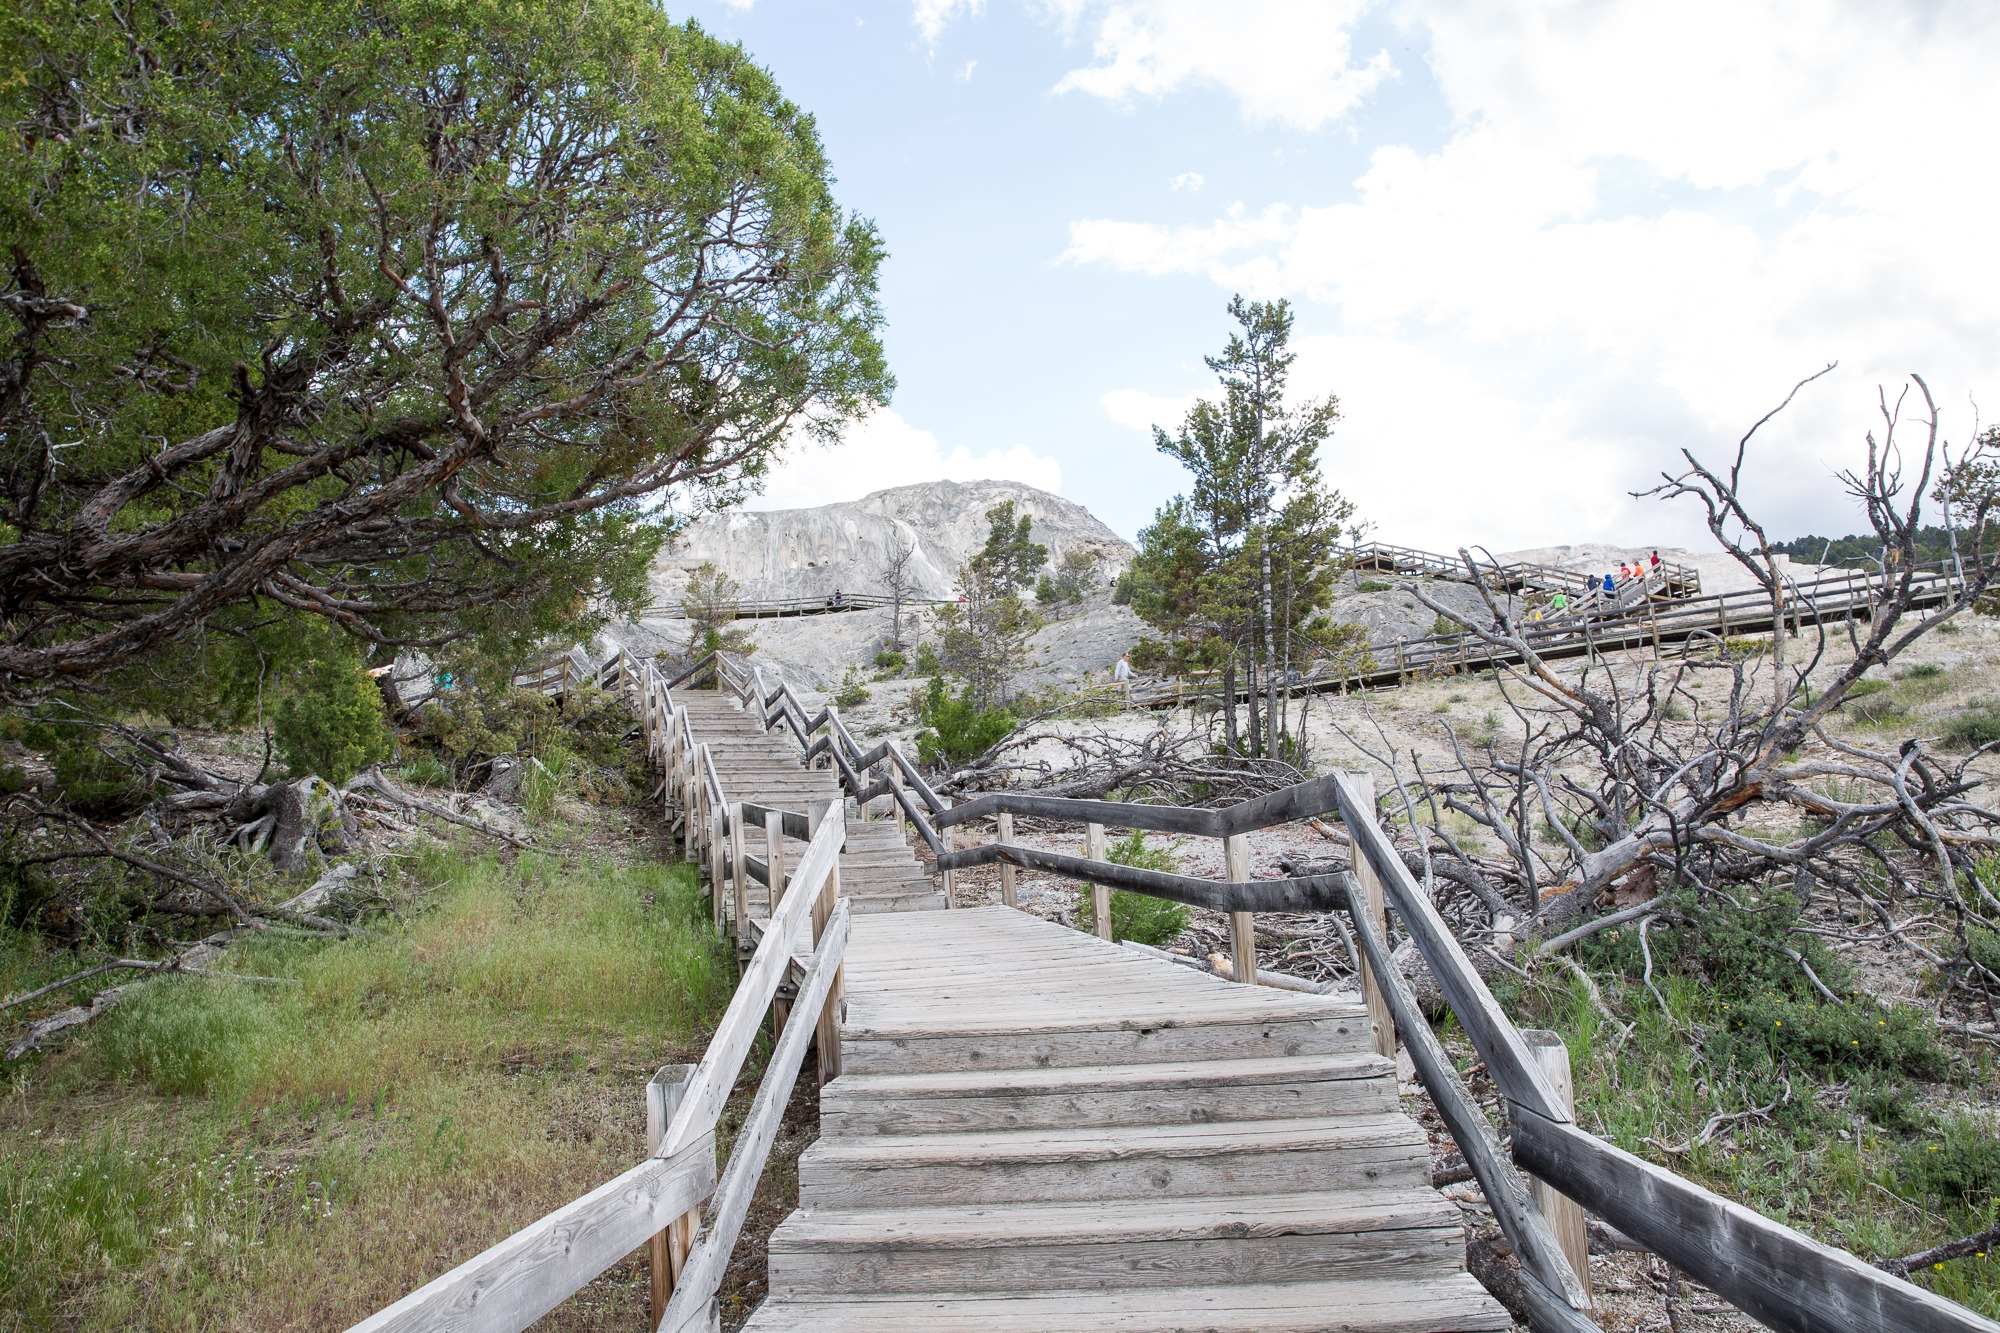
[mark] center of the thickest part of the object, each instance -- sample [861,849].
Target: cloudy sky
[1535,248]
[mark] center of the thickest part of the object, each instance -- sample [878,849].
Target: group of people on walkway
[1596,589]
[1628,570]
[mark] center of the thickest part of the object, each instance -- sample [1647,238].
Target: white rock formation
[780,553]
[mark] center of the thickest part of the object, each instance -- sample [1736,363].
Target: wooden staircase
[1037,1130]
[878,872]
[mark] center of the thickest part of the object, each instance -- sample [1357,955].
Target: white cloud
[1187,180]
[1287,62]
[1143,411]
[1636,237]
[932,17]
[965,74]
[884,450]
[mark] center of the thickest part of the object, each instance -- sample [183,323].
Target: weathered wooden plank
[1506,1192]
[509,1286]
[1369,885]
[1114,814]
[709,1087]
[1305,893]
[701,1278]
[1398,1304]
[1787,1280]
[1495,1038]
[1302,800]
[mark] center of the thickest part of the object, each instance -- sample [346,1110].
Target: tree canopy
[424,318]
[1239,568]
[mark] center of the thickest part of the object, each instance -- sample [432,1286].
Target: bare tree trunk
[1256,728]
[1229,731]
[1270,650]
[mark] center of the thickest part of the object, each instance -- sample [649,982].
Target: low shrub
[330,720]
[1372,585]
[90,779]
[955,728]
[425,771]
[890,660]
[1141,917]
[1832,1038]
[1973,727]
[1889,1102]
[852,693]
[1957,1164]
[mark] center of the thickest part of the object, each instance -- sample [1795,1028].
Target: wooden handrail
[701,1277]
[1778,1275]
[508,1286]
[1781,1277]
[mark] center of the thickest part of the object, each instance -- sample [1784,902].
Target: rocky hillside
[847,547]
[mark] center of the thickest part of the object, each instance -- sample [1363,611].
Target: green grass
[1852,1151]
[1973,726]
[213,1154]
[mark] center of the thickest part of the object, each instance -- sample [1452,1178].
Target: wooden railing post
[774,856]
[828,1019]
[1100,895]
[666,1252]
[1008,897]
[1242,925]
[1565,1215]
[774,863]
[950,877]
[1370,884]
[896,785]
[739,846]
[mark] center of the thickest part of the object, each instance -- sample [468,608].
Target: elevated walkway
[1037,1129]
[1034,1128]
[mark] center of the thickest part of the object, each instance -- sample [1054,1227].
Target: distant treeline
[1865,549]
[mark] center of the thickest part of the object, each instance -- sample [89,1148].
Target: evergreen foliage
[982,639]
[955,727]
[1141,917]
[330,720]
[395,314]
[1237,572]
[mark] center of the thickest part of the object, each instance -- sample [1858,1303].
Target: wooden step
[1211,1092]
[931,901]
[1260,1157]
[906,1049]
[1115,1242]
[1432,1304]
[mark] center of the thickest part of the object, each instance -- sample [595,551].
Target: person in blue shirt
[1610,583]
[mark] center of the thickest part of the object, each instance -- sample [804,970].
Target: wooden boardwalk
[878,872]
[1034,1129]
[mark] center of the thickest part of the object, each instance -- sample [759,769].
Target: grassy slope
[220,1155]
[1875,1154]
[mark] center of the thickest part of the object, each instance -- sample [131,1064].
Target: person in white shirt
[1121,675]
